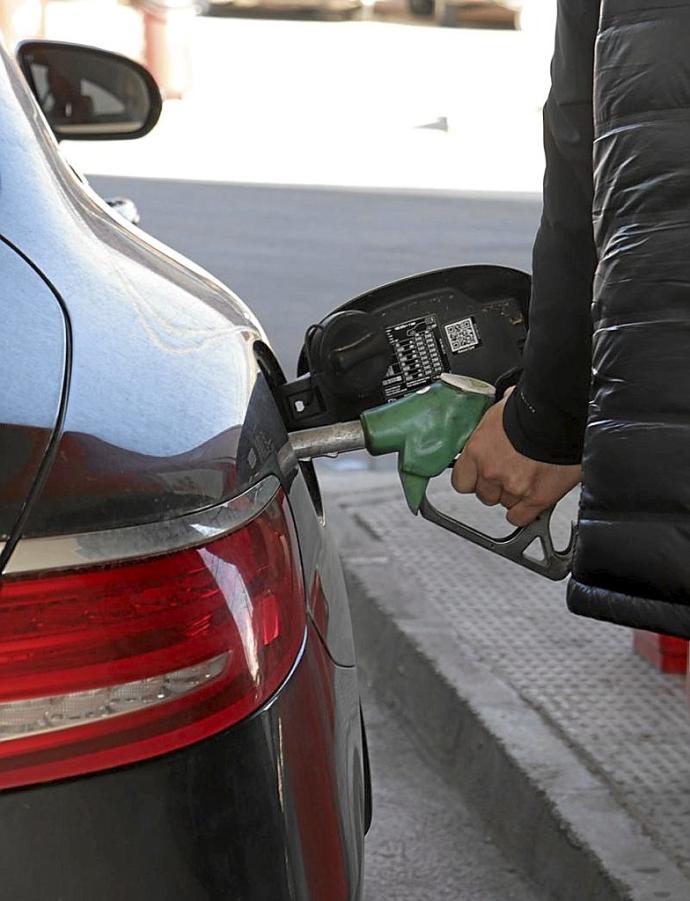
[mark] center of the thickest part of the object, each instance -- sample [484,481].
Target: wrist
[542,433]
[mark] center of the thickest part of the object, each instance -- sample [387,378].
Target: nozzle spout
[328,440]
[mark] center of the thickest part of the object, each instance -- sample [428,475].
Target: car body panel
[168,409]
[161,387]
[323,576]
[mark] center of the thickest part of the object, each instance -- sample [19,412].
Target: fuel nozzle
[427,430]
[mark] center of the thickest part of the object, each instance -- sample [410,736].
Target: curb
[544,806]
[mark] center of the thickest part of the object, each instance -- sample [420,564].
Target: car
[179,708]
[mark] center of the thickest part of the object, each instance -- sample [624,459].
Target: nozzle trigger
[555,565]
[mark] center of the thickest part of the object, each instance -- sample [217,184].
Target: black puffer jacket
[633,554]
[632,563]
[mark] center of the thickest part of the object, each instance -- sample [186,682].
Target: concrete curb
[542,803]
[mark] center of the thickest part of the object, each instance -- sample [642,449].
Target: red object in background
[667,654]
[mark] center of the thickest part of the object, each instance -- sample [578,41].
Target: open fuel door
[395,340]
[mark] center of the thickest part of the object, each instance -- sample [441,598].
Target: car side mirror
[89,94]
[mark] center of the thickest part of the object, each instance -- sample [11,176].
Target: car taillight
[108,666]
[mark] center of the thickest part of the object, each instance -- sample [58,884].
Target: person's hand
[491,468]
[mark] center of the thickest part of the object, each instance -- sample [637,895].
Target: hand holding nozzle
[491,468]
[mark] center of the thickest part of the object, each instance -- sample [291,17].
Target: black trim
[666,617]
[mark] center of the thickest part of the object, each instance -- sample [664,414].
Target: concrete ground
[426,842]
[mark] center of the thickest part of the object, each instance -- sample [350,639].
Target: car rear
[174,727]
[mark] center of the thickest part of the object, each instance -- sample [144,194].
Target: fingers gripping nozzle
[427,430]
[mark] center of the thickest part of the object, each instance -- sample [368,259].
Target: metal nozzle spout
[328,440]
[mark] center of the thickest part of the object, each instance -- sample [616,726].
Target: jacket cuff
[540,433]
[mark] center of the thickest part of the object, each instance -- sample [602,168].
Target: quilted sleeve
[546,414]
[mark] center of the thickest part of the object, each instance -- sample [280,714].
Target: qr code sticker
[462,335]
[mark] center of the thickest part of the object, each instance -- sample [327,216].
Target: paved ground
[425,843]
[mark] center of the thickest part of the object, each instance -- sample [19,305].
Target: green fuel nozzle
[427,430]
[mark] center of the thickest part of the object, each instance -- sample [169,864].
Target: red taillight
[105,667]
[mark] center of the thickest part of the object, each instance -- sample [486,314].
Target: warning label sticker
[462,335]
[418,357]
